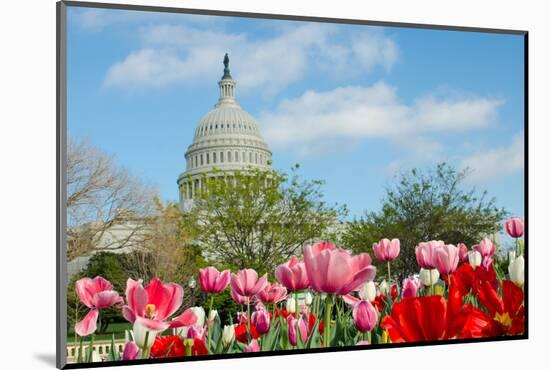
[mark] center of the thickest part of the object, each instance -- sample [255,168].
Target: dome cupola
[227,138]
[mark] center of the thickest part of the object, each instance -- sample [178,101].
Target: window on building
[202,160]
[229,156]
[221,157]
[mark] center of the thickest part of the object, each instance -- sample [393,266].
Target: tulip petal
[187,318]
[88,325]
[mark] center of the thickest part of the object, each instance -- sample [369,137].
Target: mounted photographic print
[235,185]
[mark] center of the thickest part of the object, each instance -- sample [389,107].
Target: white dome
[227,138]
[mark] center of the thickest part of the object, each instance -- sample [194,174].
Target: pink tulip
[425,253]
[272,293]
[260,319]
[96,294]
[386,250]
[246,282]
[213,281]
[131,351]
[462,252]
[294,326]
[365,316]
[410,287]
[196,332]
[293,275]
[514,227]
[486,248]
[486,263]
[446,258]
[239,298]
[154,304]
[334,271]
[252,347]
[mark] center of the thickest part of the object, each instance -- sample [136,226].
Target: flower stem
[296,303]
[389,274]
[248,319]
[328,307]
[208,321]
[145,352]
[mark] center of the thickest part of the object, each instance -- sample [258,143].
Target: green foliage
[258,219]
[425,206]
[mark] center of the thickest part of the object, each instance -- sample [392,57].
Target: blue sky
[353,105]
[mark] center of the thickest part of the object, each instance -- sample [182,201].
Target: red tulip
[246,282]
[168,346]
[514,227]
[386,250]
[425,253]
[292,275]
[446,258]
[462,252]
[486,248]
[295,326]
[334,271]
[365,316]
[272,293]
[96,294]
[150,308]
[213,281]
[241,333]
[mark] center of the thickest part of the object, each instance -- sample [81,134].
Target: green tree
[423,206]
[258,219]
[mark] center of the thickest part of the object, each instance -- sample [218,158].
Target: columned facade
[227,139]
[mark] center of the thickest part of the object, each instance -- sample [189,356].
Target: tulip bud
[384,287]
[429,277]
[200,314]
[367,291]
[291,305]
[260,319]
[212,316]
[308,298]
[474,258]
[228,334]
[141,333]
[365,316]
[196,332]
[252,347]
[511,256]
[516,270]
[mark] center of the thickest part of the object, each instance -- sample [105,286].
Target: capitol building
[227,139]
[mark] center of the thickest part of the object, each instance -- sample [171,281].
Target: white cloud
[172,54]
[355,113]
[491,163]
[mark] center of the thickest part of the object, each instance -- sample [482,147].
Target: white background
[27,207]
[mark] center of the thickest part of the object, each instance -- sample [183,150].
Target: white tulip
[384,288]
[291,305]
[181,331]
[367,291]
[96,357]
[516,270]
[511,256]
[308,298]
[429,277]
[140,332]
[474,258]
[200,314]
[228,334]
[212,315]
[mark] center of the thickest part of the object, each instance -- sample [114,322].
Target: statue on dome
[226,60]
